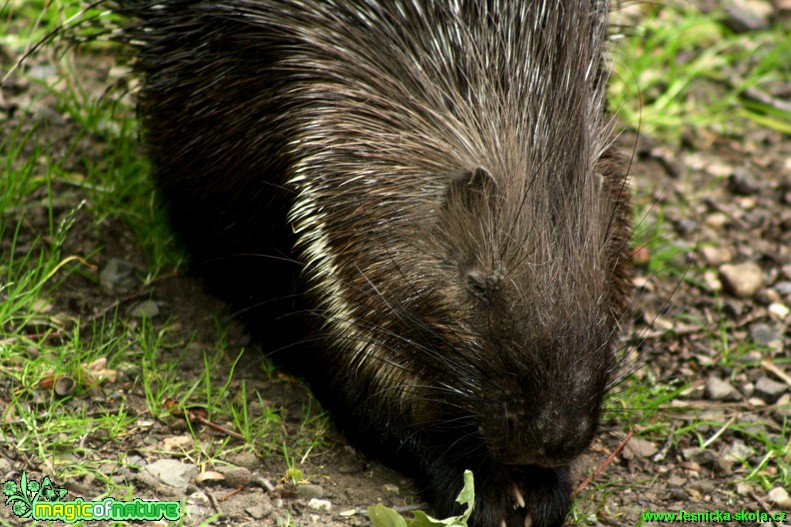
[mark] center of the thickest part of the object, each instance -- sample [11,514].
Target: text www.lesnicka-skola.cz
[715,516]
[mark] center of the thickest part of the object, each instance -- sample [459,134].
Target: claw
[528,520]
[520,500]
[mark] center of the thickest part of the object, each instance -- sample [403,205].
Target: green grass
[85,176]
[680,74]
[680,71]
[683,76]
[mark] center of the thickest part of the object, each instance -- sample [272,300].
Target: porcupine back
[418,207]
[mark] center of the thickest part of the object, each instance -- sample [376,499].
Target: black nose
[547,438]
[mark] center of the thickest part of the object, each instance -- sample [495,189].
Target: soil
[719,199]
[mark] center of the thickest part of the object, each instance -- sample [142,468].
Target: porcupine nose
[549,436]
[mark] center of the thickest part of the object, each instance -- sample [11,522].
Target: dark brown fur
[419,207]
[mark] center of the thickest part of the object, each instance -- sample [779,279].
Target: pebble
[262,482]
[637,447]
[717,220]
[712,281]
[320,505]
[779,311]
[173,472]
[247,460]
[310,491]
[238,477]
[769,390]
[258,512]
[779,496]
[766,297]
[742,280]
[700,456]
[679,494]
[764,335]
[198,498]
[676,481]
[118,274]
[744,489]
[752,423]
[146,308]
[719,390]
[783,288]
[743,183]
[740,452]
[716,255]
[390,490]
[747,15]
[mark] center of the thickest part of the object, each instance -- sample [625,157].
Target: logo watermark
[45,501]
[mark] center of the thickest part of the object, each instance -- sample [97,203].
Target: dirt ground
[723,201]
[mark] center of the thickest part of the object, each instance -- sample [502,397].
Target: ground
[705,402]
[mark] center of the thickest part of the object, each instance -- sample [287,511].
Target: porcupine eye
[470,197]
[482,284]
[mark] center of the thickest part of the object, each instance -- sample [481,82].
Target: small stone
[320,505]
[740,452]
[719,390]
[747,15]
[146,308]
[310,491]
[703,486]
[716,255]
[742,280]
[258,512]
[688,226]
[118,275]
[744,489]
[764,335]
[756,401]
[390,490]
[678,494]
[769,390]
[238,477]
[717,220]
[753,423]
[637,447]
[176,443]
[676,481]
[173,472]
[783,288]
[743,183]
[712,281]
[779,496]
[767,297]
[779,311]
[700,456]
[260,481]
[247,460]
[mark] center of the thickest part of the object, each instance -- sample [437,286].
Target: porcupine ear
[471,190]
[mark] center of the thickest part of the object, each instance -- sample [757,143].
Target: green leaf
[467,495]
[382,516]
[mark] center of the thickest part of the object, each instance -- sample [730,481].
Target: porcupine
[418,206]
